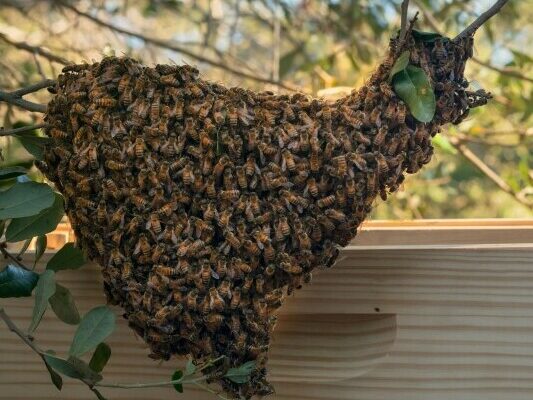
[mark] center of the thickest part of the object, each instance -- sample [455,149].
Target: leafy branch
[92,330]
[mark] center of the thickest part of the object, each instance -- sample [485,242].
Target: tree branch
[35,87]
[15,97]
[504,71]
[473,27]
[7,254]
[9,132]
[403,22]
[487,171]
[174,47]
[14,328]
[35,50]
[433,24]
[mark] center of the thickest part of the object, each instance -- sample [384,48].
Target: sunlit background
[481,169]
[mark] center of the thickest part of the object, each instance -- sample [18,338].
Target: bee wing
[137,248]
[215,275]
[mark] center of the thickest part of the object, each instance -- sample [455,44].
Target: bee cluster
[206,206]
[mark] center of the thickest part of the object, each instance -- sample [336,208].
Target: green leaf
[425,36]
[84,368]
[46,287]
[68,257]
[412,86]
[33,144]
[12,172]
[44,222]
[63,305]
[100,357]
[94,328]
[25,199]
[17,282]
[190,368]
[54,376]
[241,374]
[178,374]
[73,368]
[400,64]
[40,247]
[443,144]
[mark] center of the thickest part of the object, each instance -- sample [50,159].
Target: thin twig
[15,97]
[208,389]
[504,71]
[20,102]
[35,87]
[14,328]
[473,27]
[171,46]
[433,24]
[35,50]
[8,132]
[164,383]
[486,170]
[403,22]
[7,254]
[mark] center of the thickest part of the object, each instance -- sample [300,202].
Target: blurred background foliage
[481,169]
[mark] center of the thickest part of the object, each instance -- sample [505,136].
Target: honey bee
[254,203]
[143,246]
[336,215]
[439,51]
[269,252]
[213,321]
[327,201]
[99,244]
[106,102]
[154,224]
[386,90]
[326,223]
[314,161]
[382,165]
[98,117]
[251,247]
[76,68]
[216,302]
[358,160]
[379,138]
[158,252]
[290,268]
[232,239]
[288,160]
[222,163]
[192,300]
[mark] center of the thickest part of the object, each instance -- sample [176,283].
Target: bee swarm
[206,206]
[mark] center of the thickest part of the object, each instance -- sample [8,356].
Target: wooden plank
[419,321]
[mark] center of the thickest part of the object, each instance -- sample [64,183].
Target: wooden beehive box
[424,310]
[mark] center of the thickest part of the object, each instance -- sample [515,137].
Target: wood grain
[396,319]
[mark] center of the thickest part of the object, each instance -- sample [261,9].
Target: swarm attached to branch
[205,206]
